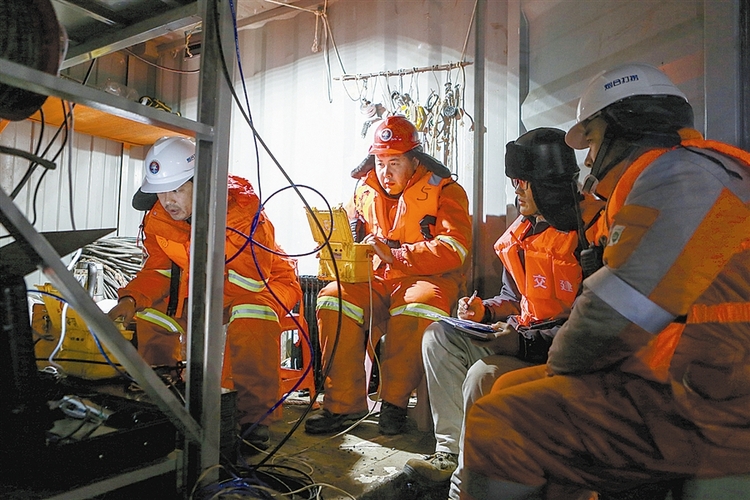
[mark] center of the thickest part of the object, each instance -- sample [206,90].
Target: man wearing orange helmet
[416,218]
[647,382]
[259,287]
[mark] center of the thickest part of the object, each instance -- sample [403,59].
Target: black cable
[259,139]
[248,238]
[63,125]
[32,164]
[244,89]
[159,66]
[69,142]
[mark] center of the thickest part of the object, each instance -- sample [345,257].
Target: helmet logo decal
[620,81]
[153,167]
[386,134]
[190,158]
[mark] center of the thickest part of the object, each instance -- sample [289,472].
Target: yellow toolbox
[353,260]
[79,355]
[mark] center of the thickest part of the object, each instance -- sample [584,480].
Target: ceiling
[98,27]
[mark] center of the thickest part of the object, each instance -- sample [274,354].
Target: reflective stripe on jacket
[654,359]
[169,240]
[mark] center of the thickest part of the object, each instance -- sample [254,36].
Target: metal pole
[206,298]
[479,136]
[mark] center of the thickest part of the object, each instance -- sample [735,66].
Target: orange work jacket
[167,240]
[653,361]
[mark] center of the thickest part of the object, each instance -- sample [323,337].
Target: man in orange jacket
[416,218]
[260,287]
[648,379]
[541,279]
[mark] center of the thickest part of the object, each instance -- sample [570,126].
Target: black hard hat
[540,154]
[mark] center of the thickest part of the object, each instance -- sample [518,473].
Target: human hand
[124,311]
[471,308]
[506,340]
[379,247]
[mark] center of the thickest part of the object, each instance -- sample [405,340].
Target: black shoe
[392,419]
[326,422]
[256,439]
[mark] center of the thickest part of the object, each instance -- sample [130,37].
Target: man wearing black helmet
[541,278]
[647,381]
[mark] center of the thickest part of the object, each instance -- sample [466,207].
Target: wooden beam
[100,124]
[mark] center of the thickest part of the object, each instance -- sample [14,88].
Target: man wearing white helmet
[648,381]
[259,287]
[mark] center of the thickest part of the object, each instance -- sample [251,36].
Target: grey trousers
[458,373]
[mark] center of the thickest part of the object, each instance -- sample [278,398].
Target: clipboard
[475,330]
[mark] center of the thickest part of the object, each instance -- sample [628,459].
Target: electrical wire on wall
[251,472]
[437,119]
[66,126]
[321,19]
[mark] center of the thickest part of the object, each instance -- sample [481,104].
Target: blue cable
[93,335]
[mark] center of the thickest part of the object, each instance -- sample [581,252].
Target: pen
[473,296]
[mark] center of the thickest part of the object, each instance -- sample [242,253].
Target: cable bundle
[120,257]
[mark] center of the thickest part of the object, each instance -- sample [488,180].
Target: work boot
[392,419]
[256,438]
[435,468]
[326,422]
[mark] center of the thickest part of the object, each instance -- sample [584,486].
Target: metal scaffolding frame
[198,421]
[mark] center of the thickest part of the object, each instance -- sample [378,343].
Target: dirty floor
[358,464]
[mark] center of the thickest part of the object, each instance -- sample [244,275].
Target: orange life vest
[419,199]
[550,276]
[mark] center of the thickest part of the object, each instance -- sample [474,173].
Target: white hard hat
[613,85]
[169,164]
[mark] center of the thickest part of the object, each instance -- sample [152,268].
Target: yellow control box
[353,260]
[79,355]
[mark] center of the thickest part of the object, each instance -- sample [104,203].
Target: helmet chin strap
[600,169]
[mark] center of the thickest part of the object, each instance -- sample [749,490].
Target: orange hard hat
[395,136]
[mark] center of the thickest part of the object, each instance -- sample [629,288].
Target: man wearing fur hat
[541,279]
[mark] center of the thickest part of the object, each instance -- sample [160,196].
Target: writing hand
[471,308]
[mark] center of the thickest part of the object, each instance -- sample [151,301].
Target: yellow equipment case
[353,260]
[79,355]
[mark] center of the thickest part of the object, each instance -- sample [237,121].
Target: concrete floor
[358,464]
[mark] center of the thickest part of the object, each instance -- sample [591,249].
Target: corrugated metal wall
[570,42]
[551,47]
[315,131]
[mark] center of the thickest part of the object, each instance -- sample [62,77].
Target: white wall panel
[95,188]
[572,40]
[317,141]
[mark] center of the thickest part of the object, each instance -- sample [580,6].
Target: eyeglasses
[522,183]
